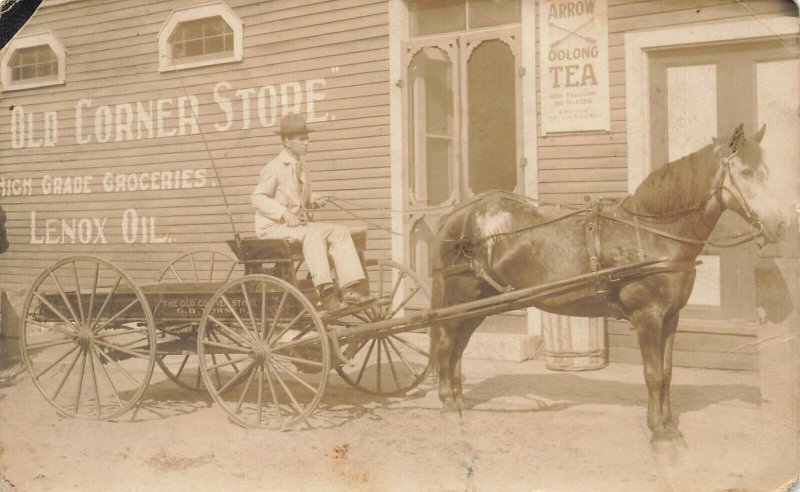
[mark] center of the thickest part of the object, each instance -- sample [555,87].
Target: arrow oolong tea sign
[574,65]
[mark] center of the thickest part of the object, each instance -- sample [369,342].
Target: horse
[498,241]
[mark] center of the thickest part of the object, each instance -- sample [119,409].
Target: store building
[124,121]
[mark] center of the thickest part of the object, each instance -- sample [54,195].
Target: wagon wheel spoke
[238,319]
[402,357]
[56,362]
[66,374]
[235,348]
[117,315]
[405,301]
[64,297]
[289,326]
[89,321]
[411,345]
[119,367]
[253,325]
[52,343]
[78,292]
[366,361]
[55,311]
[286,389]
[306,362]
[391,363]
[120,348]
[94,383]
[111,384]
[105,304]
[276,403]
[227,356]
[234,380]
[229,333]
[246,388]
[52,327]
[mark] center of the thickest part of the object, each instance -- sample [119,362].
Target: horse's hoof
[660,435]
[673,432]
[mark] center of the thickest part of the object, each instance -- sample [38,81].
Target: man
[281,200]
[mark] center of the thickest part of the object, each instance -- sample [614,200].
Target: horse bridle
[756,226]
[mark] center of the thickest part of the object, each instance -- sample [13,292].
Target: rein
[729,241]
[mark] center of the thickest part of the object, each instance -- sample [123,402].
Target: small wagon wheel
[87,336]
[270,332]
[196,266]
[388,364]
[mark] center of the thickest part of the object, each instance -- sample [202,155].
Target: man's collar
[287,158]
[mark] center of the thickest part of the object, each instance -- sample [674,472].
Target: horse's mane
[679,184]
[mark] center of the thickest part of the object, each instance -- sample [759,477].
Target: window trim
[177,16]
[31,41]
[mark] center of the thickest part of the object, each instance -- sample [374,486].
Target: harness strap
[639,248]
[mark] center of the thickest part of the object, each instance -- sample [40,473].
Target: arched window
[32,61]
[199,36]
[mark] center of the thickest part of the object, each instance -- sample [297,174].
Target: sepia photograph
[399,245]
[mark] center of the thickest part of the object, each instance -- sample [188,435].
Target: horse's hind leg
[444,351]
[462,337]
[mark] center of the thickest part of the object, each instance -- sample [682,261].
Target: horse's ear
[737,139]
[760,135]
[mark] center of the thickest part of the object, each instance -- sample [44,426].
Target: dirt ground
[528,428]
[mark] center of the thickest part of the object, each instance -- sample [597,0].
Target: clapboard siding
[112,58]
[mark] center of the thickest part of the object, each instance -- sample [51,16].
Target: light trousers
[320,239]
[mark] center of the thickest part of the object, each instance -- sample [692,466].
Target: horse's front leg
[670,328]
[649,331]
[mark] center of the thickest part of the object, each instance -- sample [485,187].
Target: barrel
[574,344]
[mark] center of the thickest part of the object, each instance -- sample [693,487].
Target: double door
[462,126]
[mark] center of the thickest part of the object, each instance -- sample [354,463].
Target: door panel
[462,124]
[697,93]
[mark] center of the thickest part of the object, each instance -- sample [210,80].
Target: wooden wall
[112,58]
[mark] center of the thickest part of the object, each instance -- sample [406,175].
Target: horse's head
[747,187]
[3,240]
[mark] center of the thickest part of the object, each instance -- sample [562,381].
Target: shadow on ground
[550,392]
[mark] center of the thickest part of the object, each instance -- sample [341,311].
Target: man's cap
[293,123]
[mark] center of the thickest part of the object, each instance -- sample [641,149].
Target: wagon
[244,327]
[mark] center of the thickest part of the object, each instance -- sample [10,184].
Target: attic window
[32,61]
[200,36]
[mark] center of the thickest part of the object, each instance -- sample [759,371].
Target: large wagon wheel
[87,337]
[389,364]
[271,332]
[196,266]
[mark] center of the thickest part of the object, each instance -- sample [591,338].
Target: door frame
[638,46]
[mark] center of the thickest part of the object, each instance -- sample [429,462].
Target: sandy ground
[528,429]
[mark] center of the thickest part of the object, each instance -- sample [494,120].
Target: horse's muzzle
[4,246]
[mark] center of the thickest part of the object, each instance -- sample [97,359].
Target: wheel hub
[85,337]
[260,352]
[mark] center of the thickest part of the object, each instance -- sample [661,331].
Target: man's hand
[291,219]
[321,201]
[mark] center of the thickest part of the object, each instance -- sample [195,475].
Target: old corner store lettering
[170,116]
[164,117]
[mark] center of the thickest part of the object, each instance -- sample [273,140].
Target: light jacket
[282,185]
